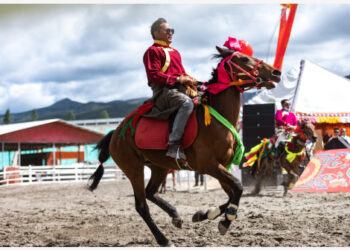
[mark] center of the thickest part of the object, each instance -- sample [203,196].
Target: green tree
[34,115]
[104,114]
[348,76]
[71,115]
[7,117]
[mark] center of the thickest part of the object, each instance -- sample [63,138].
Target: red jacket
[154,59]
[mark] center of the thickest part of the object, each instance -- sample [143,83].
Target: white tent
[315,93]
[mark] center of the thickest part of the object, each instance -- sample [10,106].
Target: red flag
[284,33]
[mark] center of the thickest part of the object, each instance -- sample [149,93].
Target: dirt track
[69,215]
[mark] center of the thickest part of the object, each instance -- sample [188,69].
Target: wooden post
[5,177]
[30,173]
[54,162]
[19,154]
[188,181]
[78,153]
[3,156]
[59,155]
[76,172]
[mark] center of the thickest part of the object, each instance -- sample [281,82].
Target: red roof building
[52,133]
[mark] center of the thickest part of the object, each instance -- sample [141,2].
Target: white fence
[43,174]
[80,172]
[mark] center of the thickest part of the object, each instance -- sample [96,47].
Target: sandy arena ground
[69,215]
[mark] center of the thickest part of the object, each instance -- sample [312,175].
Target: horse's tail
[103,155]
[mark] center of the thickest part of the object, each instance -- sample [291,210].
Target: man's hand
[290,127]
[186,79]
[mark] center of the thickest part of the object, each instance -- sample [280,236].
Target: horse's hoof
[199,216]
[222,228]
[177,222]
[163,242]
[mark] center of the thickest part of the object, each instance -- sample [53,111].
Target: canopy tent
[315,93]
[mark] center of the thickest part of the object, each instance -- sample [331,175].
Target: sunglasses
[168,31]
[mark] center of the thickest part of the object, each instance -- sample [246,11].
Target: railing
[72,173]
[80,172]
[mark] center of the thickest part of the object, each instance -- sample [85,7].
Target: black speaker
[258,123]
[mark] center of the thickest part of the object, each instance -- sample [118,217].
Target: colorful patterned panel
[328,171]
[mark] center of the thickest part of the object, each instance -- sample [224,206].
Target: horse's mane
[223,53]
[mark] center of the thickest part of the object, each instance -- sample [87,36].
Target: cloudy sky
[91,52]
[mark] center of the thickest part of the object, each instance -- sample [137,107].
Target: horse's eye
[244,59]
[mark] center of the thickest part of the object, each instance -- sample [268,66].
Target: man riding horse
[165,75]
[216,142]
[285,122]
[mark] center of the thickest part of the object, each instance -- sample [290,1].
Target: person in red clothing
[284,118]
[285,122]
[166,76]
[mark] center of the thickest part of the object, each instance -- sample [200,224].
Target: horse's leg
[234,189]
[266,167]
[133,166]
[292,178]
[211,214]
[138,185]
[258,179]
[157,176]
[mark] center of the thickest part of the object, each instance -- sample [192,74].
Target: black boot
[175,150]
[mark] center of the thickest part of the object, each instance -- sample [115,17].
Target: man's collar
[163,43]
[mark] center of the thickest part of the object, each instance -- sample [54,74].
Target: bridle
[300,138]
[234,76]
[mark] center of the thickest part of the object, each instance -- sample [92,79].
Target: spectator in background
[337,142]
[162,188]
[198,176]
[344,135]
[326,138]
[336,132]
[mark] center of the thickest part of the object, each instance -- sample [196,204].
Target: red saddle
[154,133]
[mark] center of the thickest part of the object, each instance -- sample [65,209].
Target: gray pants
[167,102]
[180,122]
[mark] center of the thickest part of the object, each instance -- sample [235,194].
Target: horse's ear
[220,50]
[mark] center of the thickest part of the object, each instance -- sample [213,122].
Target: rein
[253,75]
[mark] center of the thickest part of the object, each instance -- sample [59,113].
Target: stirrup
[175,150]
[182,164]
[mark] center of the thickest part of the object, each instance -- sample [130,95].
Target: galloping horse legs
[157,177]
[234,190]
[266,168]
[291,178]
[211,213]
[142,207]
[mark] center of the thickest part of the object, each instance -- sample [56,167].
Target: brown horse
[211,151]
[298,144]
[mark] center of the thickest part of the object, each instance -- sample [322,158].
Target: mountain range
[82,111]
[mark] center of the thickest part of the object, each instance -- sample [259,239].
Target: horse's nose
[276,72]
[276,75]
[314,138]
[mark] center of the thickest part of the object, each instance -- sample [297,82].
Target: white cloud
[24,97]
[94,52]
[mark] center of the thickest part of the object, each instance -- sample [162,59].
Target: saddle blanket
[154,133]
